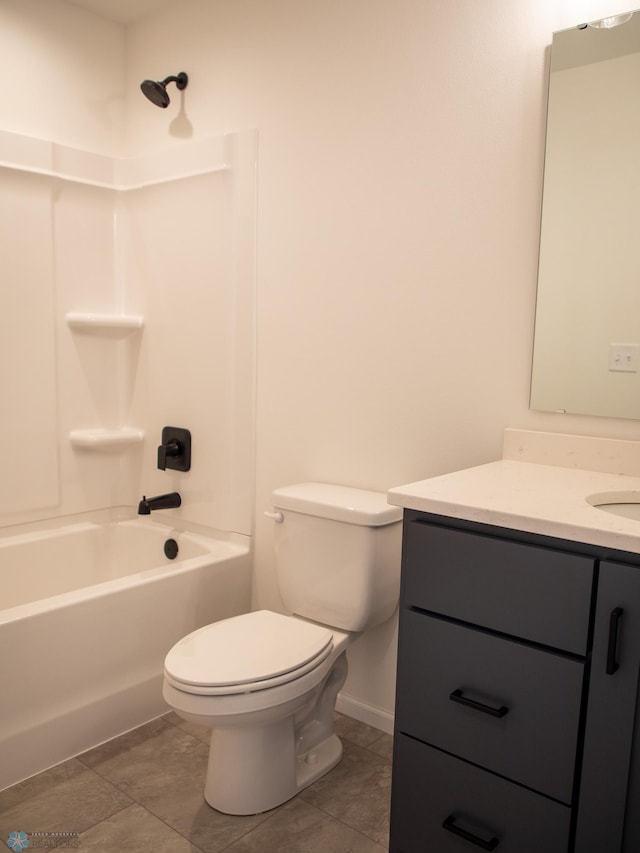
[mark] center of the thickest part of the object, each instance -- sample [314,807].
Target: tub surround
[520,493]
[91,381]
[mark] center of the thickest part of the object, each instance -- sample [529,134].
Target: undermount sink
[624,504]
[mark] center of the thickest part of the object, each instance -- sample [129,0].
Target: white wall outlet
[624,358]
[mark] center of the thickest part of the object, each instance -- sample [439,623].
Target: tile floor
[143,792]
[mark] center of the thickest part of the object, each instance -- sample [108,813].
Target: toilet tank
[338,554]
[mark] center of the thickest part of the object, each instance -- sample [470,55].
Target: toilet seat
[246,653]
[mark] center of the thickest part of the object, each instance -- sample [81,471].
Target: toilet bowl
[266,683]
[272,726]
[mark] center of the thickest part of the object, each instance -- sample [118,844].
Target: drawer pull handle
[612,650]
[486,844]
[458,696]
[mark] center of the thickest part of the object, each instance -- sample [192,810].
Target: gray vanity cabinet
[518,667]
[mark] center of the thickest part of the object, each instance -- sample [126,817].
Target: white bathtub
[88,611]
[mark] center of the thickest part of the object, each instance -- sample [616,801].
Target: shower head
[157,91]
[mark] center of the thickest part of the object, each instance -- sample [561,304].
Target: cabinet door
[441,804]
[611,712]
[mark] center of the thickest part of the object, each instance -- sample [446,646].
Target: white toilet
[266,684]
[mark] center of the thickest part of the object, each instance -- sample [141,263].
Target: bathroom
[399,178]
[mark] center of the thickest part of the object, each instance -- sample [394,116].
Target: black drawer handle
[458,696]
[486,844]
[612,650]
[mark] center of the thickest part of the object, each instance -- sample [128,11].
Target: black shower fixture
[157,91]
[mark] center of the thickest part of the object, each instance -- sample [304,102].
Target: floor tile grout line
[341,821]
[344,823]
[135,801]
[118,811]
[172,828]
[253,829]
[301,794]
[97,823]
[138,803]
[317,808]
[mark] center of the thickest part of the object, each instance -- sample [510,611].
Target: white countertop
[544,499]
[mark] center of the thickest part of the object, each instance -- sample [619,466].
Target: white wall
[400,174]
[64,74]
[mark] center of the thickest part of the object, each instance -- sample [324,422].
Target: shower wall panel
[28,428]
[182,263]
[190,270]
[168,239]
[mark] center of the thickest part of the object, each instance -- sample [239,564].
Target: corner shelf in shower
[105,439]
[115,327]
[105,325]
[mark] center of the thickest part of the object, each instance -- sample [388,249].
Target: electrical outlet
[624,358]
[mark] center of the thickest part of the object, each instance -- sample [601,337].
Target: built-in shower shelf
[106,439]
[107,325]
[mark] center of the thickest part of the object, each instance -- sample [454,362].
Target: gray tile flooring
[143,792]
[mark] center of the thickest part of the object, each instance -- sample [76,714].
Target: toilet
[265,683]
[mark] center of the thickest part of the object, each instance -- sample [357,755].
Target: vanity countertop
[544,499]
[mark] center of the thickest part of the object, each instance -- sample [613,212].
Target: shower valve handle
[173,448]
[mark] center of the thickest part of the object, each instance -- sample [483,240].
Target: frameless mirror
[586,357]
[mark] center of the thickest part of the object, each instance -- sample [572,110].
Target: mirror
[586,357]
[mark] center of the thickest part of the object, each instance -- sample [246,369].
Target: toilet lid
[242,653]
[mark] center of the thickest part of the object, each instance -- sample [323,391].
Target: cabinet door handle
[458,696]
[486,844]
[612,649]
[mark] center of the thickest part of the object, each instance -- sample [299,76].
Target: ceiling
[122,11]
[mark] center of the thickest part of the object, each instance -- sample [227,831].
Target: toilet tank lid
[338,503]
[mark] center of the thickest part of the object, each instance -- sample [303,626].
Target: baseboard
[369,714]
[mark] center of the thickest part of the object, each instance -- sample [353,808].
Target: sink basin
[624,504]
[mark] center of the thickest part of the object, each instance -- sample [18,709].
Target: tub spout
[170,501]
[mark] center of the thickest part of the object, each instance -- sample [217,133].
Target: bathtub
[88,611]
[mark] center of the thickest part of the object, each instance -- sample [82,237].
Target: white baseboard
[369,714]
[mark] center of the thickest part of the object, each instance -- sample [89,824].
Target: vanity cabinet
[518,666]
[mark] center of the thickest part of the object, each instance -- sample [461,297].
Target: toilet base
[318,761]
[253,769]
[262,771]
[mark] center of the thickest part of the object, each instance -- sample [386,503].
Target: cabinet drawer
[429,787]
[529,591]
[522,720]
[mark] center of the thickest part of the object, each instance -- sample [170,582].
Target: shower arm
[180,80]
